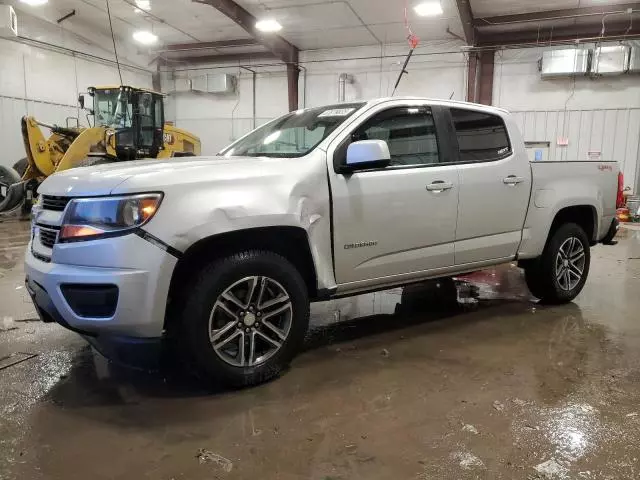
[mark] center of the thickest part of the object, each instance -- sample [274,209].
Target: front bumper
[138,270]
[130,351]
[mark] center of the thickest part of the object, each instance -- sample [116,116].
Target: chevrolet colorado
[224,254]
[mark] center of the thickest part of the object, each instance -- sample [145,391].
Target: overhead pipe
[253,83]
[254,75]
[304,85]
[52,47]
[552,17]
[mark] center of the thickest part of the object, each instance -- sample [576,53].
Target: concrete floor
[390,386]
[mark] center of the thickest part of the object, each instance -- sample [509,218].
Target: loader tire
[8,176]
[21,166]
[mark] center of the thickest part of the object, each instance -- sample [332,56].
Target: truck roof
[439,101]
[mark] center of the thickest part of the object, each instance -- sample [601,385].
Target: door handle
[512,180]
[439,186]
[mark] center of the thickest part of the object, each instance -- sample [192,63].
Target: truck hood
[137,175]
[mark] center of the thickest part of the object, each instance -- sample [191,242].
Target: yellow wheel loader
[128,124]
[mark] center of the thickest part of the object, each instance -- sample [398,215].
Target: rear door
[495,184]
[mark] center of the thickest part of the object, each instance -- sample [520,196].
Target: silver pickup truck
[224,254]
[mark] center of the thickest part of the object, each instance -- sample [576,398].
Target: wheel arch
[586,216]
[288,241]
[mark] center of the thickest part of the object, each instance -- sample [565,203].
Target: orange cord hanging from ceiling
[412,38]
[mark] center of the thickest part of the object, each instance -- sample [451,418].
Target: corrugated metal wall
[613,132]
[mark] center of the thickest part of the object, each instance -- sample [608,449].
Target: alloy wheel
[250,321]
[570,263]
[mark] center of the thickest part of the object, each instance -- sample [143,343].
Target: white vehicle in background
[225,253]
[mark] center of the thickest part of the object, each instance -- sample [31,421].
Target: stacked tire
[9,198]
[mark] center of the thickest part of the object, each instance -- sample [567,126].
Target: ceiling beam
[182,47]
[285,51]
[231,58]
[570,34]
[569,13]
[466,17]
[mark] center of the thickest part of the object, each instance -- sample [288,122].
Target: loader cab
[134,119]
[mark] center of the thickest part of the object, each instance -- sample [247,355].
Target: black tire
[21,166]
[8,176]
[200,297]
[91,161]
[542,275]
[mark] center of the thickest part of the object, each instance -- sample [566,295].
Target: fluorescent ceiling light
[143,5]
[34,3]
[268,25]
[145,37]
[428,9]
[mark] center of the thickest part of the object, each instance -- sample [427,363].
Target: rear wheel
[560,273]
[244,318]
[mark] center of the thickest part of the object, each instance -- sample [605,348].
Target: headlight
[90,218]
[36,207]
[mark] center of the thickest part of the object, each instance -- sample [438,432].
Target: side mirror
[81,101]
[367,154]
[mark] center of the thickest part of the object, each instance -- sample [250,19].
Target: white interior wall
[45,82]
[218,119]
[594,114]
[436,70]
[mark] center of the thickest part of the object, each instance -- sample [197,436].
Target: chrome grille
[50,202]
[48,236]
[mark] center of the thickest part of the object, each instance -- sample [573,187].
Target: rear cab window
[482,137]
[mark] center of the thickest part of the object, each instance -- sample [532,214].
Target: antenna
[113,38]
[403,71]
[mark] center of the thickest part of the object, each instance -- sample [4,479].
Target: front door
[392,223]
[495,184]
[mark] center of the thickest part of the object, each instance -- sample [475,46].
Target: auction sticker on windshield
[336,112]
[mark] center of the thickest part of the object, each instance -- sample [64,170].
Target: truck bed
[556,185]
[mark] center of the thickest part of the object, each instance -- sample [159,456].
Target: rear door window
[482,137]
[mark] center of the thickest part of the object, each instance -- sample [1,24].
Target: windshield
[112,108]
[292,135]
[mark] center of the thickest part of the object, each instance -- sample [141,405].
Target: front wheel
[560,273]
[244,318]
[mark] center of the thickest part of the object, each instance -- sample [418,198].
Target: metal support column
[480,77]
[293,74]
